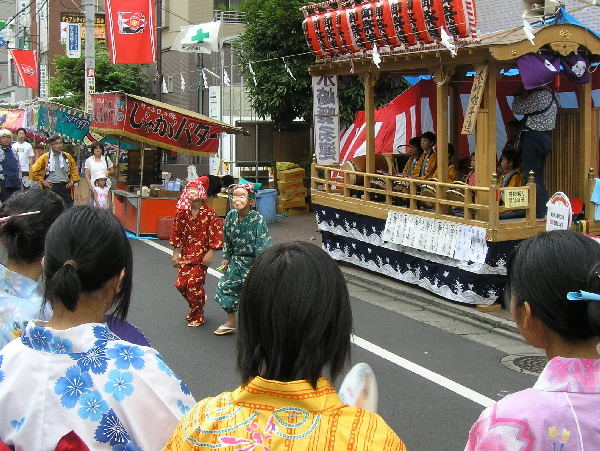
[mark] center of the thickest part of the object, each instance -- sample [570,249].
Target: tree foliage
[274,30]
[69,77]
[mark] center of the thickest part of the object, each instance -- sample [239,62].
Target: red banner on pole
[27,66]
[131,31]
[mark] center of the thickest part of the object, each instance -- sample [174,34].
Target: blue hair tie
[582,296]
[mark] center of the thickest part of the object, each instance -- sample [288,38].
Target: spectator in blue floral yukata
[71,376]
[25,217]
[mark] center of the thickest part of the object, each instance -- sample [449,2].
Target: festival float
[150,125]
[448,238]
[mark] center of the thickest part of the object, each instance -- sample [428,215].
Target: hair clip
[582,296]
[6,218]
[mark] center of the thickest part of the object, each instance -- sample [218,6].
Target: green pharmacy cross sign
[200,35]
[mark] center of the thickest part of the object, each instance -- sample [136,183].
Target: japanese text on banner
[326,119]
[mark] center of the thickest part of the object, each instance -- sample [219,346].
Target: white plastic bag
[191,173]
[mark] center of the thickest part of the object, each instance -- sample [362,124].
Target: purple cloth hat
[575,67]
[538,69]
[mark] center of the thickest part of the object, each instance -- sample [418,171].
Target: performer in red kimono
[197,232]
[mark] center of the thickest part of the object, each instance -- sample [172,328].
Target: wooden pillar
[588,161]
[369,79]
[486,161]
[485,154]
[442,129]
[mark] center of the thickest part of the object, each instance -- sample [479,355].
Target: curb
[409,294]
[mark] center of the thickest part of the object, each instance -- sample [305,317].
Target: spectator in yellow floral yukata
[245,235]
[295,322]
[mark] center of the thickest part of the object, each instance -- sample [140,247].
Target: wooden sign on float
[470,119]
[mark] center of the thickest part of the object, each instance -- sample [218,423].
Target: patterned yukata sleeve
[215,231]
[263,237]
[478,431]
[177,230]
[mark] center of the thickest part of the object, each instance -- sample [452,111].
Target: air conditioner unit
[539,8]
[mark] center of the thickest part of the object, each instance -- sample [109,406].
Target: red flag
[131,31]
[27,65]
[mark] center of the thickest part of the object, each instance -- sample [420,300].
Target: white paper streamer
[164,86]
[287,68]
[226,79]
[253,74]
[204,78]
[376,56]
[528,29]
[447,41]
[182,81]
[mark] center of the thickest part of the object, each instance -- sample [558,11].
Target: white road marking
[169,251]
[432,376]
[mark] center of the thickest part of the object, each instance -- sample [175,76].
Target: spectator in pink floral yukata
[554,288]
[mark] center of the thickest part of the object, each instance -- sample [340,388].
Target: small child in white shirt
[102,195]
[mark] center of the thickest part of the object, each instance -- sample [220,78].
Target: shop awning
[156,123]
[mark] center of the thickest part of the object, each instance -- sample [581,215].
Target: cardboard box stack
[292,192]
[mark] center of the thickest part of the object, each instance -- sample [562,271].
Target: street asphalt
[435,373]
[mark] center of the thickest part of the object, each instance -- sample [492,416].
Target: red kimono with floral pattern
[195,236]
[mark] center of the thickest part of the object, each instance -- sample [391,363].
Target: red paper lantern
[332,33]
[356,28]
[433,14]
[385,24]
[311,37]
[417,21]
[345,30]
[401,21]
[459,22]
[369,24]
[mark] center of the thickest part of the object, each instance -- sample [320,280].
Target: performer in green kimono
[245,235]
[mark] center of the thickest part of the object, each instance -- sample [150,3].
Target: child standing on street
[102,196]
[195,236]
[245,236]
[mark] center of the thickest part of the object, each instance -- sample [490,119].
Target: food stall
[152,125]
[448,238]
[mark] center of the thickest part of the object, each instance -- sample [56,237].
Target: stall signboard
[559,212]
[73,17]
[516,197]
[57,119]
[154,123]
[326,119]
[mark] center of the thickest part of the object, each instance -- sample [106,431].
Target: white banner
[446,238]
[43,81]
[326,111]
[73,40]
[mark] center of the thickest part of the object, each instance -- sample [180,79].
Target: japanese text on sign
[326,119]
[474,101]
[516,197]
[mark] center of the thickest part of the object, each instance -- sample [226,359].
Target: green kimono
[244,241]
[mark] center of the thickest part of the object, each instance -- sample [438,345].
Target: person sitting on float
[427,165]
[415,151]
[470,178]
[295,323]
[553,287]
[511,178]
[511,174]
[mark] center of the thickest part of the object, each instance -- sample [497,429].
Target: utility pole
[90,53]
[159,76]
